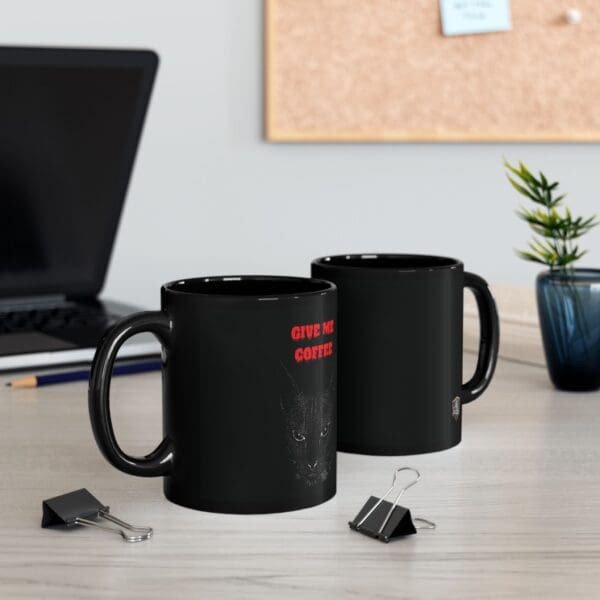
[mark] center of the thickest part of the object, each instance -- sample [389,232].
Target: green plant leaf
[527,175]
[556,201]
[524,191]
[554,230]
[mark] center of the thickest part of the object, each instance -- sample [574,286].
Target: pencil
[82,375]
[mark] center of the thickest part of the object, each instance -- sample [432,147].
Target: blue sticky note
[461,17]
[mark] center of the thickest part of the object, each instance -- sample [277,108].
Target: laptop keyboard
[53,319]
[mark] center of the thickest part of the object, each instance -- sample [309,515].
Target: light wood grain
[517,506]
[381,71]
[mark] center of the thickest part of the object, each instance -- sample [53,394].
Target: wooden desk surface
[517,506]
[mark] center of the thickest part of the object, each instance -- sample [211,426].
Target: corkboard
[381,70]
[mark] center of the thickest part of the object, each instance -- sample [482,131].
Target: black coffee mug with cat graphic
[249,393]
[401,347]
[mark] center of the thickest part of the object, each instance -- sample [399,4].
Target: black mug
[400,338]
[249,393]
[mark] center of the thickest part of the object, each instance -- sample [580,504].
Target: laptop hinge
[25,302]
[81,298]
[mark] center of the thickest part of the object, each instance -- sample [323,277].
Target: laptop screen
[69,125]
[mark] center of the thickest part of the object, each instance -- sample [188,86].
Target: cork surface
[351,70]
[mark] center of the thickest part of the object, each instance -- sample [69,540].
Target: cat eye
[325,430]
[299,437]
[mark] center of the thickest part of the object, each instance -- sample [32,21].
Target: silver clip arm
[138,534]
[389,514]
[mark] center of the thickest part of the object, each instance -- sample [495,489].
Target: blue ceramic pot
[569,310]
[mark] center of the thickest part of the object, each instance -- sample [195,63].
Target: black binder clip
[81,508]
[383,520]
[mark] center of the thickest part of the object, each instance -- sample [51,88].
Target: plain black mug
[400,347]
[249,393]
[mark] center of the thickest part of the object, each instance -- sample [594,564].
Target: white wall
[209,196]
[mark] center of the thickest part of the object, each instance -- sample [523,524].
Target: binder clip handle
[391,489]
[383,520]
[80,507]
[427,524]
[138,534]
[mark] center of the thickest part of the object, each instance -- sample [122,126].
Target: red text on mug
[309,332]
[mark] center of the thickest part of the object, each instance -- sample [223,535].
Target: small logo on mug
[456,408]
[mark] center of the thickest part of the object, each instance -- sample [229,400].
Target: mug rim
[359,261]
[322,287]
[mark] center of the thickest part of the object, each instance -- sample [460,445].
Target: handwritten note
[462,17]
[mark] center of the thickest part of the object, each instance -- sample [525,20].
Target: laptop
[70,123]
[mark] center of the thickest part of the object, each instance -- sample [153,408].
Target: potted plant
[568,298]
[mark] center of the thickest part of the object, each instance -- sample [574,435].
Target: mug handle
[159,461]
[488,340]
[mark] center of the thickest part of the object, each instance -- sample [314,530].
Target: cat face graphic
[310,433]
